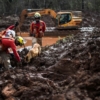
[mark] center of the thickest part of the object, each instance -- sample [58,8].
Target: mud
[66,70]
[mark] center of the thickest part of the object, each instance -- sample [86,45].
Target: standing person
[37,28]
[5,44]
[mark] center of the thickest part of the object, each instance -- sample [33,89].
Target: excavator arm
[63,19]
[50,12]
[30,12]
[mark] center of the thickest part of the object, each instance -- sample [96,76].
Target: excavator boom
[64,19]
[30,12]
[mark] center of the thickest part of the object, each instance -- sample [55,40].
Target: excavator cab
[64,18]
[68,20]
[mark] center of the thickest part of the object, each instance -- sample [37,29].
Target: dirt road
[45,41]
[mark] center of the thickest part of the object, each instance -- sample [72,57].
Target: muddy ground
[66,70]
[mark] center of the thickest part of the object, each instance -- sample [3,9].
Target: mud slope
[67,70]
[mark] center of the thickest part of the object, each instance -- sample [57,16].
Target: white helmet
[37,15]
[10,32]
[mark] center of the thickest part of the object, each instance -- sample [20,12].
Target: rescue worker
[37,28]
[10,33]
[12,27]
[5,44]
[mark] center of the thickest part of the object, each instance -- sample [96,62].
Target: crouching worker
[10,28]
[5,44]
[9,33]
[33,52]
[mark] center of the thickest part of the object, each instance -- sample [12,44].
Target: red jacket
[10,27]
[41,26]
[10,43]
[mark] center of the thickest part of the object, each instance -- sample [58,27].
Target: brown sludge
[67,70]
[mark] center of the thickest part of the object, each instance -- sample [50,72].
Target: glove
[16,24]
[32,34]
[19,64]
[41,32]
[35,31]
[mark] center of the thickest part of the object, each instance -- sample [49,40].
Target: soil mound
[67,70]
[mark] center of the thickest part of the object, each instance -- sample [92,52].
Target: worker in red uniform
[12,27]
[5,44]
[37,28]
[9,33]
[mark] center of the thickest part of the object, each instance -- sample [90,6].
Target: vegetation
[15,6]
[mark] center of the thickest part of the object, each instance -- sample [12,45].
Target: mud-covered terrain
[66,70]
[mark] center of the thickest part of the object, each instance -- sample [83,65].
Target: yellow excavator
[64,19]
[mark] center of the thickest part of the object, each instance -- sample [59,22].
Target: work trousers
[38,40]
[5,59]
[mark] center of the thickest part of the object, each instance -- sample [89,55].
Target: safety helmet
[10,32]
[19,40]
[37,15]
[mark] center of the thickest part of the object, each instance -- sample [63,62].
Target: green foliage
[16,6]
[10,1]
